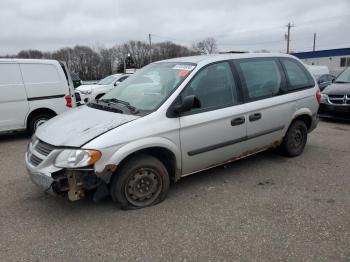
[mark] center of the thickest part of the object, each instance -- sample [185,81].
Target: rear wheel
[295,139]
[38,120]
[142,181]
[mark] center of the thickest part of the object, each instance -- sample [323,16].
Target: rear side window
[297,75]
[261,77]
[10,74]
[214,86]
[39,73]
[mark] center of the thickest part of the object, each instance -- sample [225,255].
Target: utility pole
[150,47]
[314,48]
[289,26]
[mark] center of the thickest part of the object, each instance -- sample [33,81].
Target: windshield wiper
[104,106]
[341,82]
[125,103]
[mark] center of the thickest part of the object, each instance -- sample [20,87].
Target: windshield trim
[176,87]
[144,112]
[342,82]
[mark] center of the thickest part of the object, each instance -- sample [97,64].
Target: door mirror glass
[187,104]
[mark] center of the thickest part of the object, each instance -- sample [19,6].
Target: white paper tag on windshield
[183,67]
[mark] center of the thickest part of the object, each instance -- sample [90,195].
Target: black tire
[142,181]
[35,121]
[295,139]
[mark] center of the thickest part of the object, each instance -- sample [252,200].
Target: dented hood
[78,126]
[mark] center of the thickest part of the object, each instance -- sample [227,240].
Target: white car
[33,91]
[91,92]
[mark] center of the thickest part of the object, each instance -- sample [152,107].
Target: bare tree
[36,54]
[206,46]
[99,62]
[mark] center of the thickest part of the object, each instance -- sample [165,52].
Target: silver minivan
[171,119]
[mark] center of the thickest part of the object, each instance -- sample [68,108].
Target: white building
[336,59]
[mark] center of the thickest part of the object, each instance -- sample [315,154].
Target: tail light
[318,95]
[68,101]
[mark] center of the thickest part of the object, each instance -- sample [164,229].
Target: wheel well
[40,111]
[164,155]
[306,119]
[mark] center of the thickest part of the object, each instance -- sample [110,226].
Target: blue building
[336,59]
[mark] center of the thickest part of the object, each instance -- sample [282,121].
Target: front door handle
[238,121]
[254,117]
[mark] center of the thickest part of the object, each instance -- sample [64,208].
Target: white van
[197,113]
[32,91]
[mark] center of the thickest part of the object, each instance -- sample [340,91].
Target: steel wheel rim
[298,138]
[143,187]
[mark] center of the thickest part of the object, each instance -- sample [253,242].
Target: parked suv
[32,91]
[335,100]
[197,113]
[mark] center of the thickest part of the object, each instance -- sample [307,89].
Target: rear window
[39,73]
[297,75]
[10,74]
[262,77]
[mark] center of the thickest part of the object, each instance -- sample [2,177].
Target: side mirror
[187,104]
[116,83]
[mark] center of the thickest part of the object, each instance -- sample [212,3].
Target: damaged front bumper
[71,183]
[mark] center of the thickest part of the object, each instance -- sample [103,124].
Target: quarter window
[214,86]
[262,78]
[297,76]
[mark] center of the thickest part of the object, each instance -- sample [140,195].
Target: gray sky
[236,24]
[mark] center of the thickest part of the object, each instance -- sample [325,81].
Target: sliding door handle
[254,117]
[238,121]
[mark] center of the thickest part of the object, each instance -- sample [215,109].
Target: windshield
[344,77]
[147,88]
[107,80]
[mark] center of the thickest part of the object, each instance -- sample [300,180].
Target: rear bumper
[334,111]
[314,122]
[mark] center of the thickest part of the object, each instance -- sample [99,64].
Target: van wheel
[37,121]
[142,181]
[295,139]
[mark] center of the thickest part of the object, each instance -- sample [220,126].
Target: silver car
[171,119]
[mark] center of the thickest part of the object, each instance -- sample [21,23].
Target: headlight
[74,158]
[86,92]
[324,98]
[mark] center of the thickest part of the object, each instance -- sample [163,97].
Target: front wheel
[295,139]
[142,181]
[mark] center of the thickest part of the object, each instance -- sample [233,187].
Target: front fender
[105,168]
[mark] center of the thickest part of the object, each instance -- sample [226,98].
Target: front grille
[77,97]
[43,148]
[40,150]
[34,160]
[339,99]
[336,96]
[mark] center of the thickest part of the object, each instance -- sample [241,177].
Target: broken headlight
[75,158]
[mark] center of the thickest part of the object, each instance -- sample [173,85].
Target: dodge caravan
[196,113]
[32,91]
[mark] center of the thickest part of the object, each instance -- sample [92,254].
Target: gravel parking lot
[262,208]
